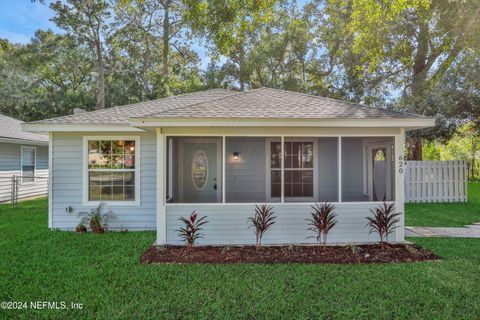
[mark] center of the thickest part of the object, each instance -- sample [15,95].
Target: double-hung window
[28,163]
[112,173]
[298,169]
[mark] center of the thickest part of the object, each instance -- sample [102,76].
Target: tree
[229,28]
[415,42]
[86,21]
[161,21]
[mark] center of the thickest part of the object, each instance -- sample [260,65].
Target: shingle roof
[220,103]
[10,129]
[278,104]
[120,115]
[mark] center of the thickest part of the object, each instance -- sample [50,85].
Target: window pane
[129,178]
[307,155]
[129,147]
[94,178]
[94,193]
[117,193]
[117,178]
[106,147]
[129,193]
[276,176]
[129,162]
[106,193]
[117,161]
[276,151]
[117,146]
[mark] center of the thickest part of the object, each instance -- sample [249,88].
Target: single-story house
[221,152]
[24,155]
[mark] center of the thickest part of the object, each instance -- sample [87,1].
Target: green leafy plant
[383,221]
[191,231]
[322,221]
[262,220]
[96,219]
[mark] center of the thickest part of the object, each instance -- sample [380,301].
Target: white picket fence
[435,181]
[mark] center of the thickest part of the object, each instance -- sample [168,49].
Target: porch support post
[282,170]
[339,165]
[50,180]
[399,185]
[161,188]
[224,151]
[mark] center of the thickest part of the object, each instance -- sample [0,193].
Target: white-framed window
[299,170]
[27,162]
[111,170]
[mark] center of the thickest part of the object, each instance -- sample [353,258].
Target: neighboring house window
[298,171]
[28,163]
[112,170]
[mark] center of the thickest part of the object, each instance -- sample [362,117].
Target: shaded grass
[104,274]
[445,214]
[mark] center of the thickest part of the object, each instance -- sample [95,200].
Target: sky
[19,19]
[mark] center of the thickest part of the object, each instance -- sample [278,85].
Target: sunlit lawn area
[445,214]
[104,274]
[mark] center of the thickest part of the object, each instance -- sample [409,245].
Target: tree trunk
[146,63]
[242,68]
[101,76]
[166,36]
[419,79]
[414,147]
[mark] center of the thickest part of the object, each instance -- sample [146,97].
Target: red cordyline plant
[322,221]
[261,221]
[191,231]
[383,222]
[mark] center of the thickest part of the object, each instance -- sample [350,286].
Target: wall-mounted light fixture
[235,155]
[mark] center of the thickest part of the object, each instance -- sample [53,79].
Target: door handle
[215,184]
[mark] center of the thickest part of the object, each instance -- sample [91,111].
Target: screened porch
[246,169]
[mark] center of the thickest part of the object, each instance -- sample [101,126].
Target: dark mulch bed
[371,253]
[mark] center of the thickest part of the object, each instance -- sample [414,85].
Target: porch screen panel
[328,169]
[194,170]
[367,169]
[245,174]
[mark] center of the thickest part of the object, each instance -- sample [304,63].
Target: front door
[201,171]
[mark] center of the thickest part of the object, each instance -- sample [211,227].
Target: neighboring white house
[22,154]
[221,152]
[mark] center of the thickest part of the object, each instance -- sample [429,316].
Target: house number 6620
[400,164]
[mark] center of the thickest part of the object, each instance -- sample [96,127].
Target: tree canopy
[419,56]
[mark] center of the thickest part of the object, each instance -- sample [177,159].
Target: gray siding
[10,156]
[228,224]
[68,181]
[245,178]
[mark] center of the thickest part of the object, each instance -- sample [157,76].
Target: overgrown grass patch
[445,214]
[103,272]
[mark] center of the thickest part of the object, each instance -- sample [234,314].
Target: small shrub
[81,229]
[97,220]
[262,220]
[322,221]
[383,222]
[191,231]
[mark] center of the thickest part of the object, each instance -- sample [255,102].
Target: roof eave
[408,123]
[23,141]
[47,127]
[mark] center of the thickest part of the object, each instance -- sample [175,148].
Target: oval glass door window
[199,169]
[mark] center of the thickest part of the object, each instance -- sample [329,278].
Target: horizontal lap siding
[228,224]
[68,179]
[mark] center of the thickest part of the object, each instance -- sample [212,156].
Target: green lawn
[103,273]
[445,214]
